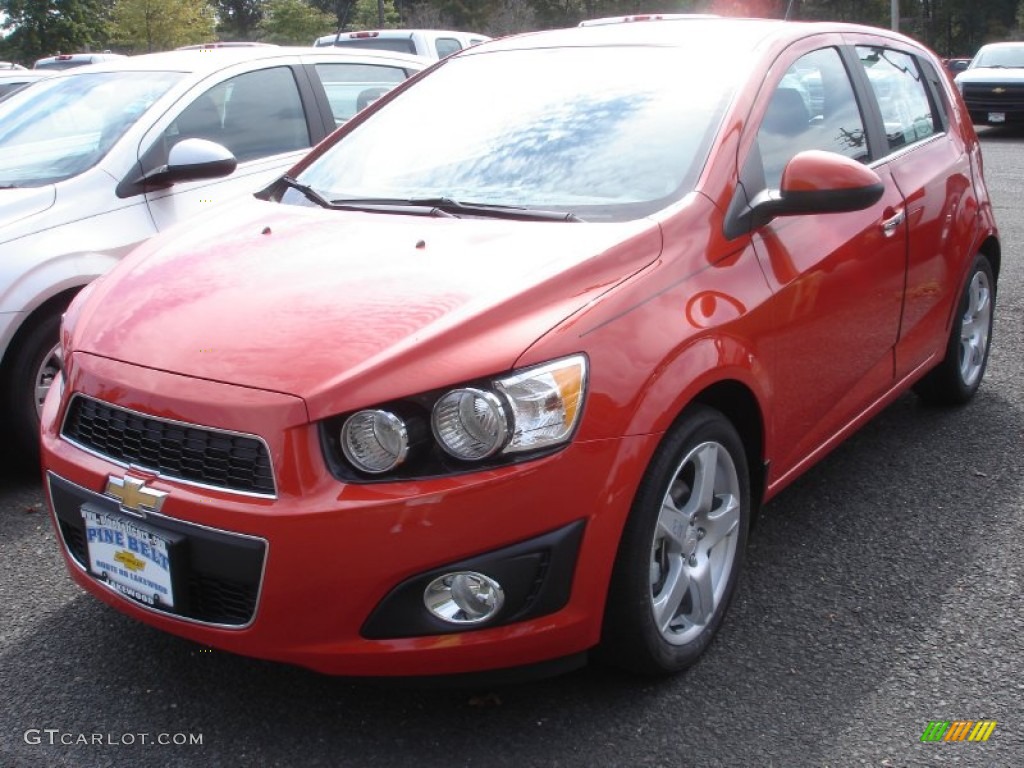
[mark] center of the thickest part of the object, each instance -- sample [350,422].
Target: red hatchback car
[499,375]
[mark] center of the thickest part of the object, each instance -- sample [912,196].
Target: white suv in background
[96,159]
[431,43]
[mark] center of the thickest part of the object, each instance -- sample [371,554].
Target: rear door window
[352,87]
[902,94]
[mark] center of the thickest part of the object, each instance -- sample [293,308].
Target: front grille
[983,97]
[221,572]
[196,454]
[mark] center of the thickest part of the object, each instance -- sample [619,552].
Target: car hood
[345,309]
[19,203]
[991,74]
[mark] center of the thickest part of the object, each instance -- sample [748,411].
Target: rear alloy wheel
[34,365]
[681,550]
[955,380]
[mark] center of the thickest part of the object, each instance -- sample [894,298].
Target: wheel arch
[993,252]
[738,404]
[58,301]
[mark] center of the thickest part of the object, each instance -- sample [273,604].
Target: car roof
[206,60]
[25,74]
[731,34]
[404,33]
[1004,44]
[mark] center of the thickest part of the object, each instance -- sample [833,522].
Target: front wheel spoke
[721,525]
[702,591]
[705,460]
[979,299]
[672,523]
[666,603]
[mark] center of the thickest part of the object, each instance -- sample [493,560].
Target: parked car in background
[956,65]
[94,160]
[993,84]
[432,43]
[224,44]
[70,60]
[508,388]
[12,80]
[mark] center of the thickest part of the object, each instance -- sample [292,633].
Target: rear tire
[681,550]
[955,380]
[34,362]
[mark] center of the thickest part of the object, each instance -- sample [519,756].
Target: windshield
[65,125]
[604,134]
[1001,57]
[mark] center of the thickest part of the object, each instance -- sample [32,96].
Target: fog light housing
[464,597]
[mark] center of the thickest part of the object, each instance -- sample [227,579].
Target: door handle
[891,224]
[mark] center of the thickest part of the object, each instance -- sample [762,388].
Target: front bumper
[301,573]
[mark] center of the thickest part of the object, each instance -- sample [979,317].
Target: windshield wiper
[310,193]
[440,206]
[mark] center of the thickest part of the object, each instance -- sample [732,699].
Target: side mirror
[813,182]
[188,160]
[196,159]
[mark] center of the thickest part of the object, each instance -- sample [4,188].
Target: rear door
[930,165]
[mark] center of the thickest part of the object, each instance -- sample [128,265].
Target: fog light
[465,597]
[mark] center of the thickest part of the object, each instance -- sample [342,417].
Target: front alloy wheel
[694,544]
[681,549]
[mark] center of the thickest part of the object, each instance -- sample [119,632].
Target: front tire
[955,380]
[681,550]
[33,366]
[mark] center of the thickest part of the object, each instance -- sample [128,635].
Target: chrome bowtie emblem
[134,496]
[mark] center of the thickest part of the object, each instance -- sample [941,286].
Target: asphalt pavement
[882,592]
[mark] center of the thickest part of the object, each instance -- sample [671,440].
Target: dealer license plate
[130,558]
[997,117]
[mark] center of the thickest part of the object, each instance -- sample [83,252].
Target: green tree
[366,15]
[38,28]
[142,26]
[239,19]
[293,22]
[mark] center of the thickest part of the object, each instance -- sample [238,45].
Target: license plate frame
[137,560]
[997,117]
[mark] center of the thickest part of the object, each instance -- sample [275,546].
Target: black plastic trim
[536,576]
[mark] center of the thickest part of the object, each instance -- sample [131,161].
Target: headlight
[470,424]
[486,423]
[545,403]
[374,441]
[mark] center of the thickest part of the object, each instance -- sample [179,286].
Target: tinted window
[446,46]
[351,87]
[813,107]
[902,95]
[254,115]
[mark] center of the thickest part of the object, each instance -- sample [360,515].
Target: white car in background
[431,43]
[97,159]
